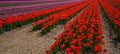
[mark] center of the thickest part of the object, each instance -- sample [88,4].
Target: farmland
[60,27]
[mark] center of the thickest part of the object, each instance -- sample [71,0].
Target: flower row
[47,24]
[115,3]
[9,23]
[113,15]
[82,35]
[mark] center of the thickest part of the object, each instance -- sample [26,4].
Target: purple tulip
[17,10]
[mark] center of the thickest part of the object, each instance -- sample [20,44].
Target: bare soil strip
[108,33]
[24,42]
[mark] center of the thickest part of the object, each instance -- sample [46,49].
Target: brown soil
[108,35]
[21,41]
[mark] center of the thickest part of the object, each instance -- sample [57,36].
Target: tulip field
[60,27]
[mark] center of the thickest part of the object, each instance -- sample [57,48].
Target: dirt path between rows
[24,42]
[108,33]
